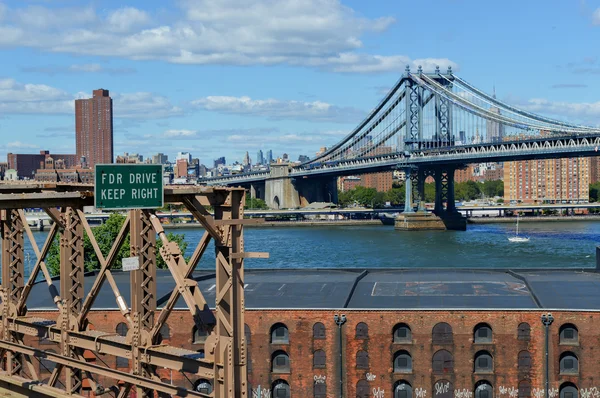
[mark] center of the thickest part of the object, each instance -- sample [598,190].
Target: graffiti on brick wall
[538,392]
[553,392]
[261,393]
[319,379]
[510,391]
[378,393]
[463,393]
[589,392]
[370,377]
[420,392]
[441,387]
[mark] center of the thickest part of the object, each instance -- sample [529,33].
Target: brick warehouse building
[459,333]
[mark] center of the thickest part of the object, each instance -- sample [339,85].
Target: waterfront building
[27,164]
[94,128]
[547,181]
[184,156]
[160,158]
[594,169]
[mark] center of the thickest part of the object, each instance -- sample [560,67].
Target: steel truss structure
[224,363]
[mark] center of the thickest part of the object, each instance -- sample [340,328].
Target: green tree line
[105,235]
[595,192]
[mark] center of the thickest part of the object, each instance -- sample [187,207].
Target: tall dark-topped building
[94,129]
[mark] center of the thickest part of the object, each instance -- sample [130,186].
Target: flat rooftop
[385,289]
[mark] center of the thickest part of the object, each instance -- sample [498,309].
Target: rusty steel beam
[49,199]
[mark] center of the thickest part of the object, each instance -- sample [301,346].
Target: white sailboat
[518,238]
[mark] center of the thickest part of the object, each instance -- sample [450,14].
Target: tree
[595,192]
[429,193]
[105,235]
[395,195]
[255,203]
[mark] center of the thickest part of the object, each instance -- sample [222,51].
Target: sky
[222,77]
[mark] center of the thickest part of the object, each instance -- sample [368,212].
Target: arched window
[402,333]
[443,389]
[402,389]
[280,389]
[247,334]
[362,389]
[524,363]
[280,362]
[569,334]
[320,389]
[524,331]
[483,389]
[482,333]
[524,389]
[318,331]
[362,331]
[46,365]
[569,363]
[279,334]
[122,329]
[568,390]
[165,332]
[203,386]
[362,360]
[442,334]
[402,362]
[199,335]
[319,360]
[483,362]
[443,362]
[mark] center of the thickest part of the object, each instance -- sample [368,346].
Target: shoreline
[496,220]
[310,223]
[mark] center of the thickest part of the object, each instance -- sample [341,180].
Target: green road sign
[128,186]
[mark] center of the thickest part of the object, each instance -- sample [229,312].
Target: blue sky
[222,77]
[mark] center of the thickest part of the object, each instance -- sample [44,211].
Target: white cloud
[588,112]
[20,145]
[596,17]
[278,109]
[180,134]
[314,33]
[18,98]
[77,68]
[126,18]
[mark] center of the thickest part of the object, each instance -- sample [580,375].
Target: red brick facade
[94,128]
[517,355]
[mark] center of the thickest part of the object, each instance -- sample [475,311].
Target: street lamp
[547,320]
[339,321]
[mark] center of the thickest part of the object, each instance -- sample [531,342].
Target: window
[568,390]
[482,333]
[524,363]
[402,362]
[362,331]
[523,331]
[568,334]
[442,334]
[524,389]
[280,389]
[402,333]
[165,332]
[46,365]
[443,362]
[122,329]
[280,362]
[318,331]
[402,389]
[362,389]
[483,389]
[199,335]
[122,362]
[279,334]
[320,390]
[203,386]
[569,363]
[362,360]
[247,334]
[483,362]
[319,359]
[443,389]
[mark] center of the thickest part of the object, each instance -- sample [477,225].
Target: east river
[552,244]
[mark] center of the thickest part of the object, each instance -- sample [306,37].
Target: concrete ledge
[419,222]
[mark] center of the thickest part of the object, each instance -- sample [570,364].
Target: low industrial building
[423,333]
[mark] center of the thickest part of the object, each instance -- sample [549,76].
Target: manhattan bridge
[428,124]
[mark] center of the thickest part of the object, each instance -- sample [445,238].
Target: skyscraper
[269,156]
[259,157]
[247,161]
[94,128]
[494,130]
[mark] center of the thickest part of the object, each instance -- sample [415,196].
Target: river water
[552,244]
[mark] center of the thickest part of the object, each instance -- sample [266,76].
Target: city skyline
[293,102]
